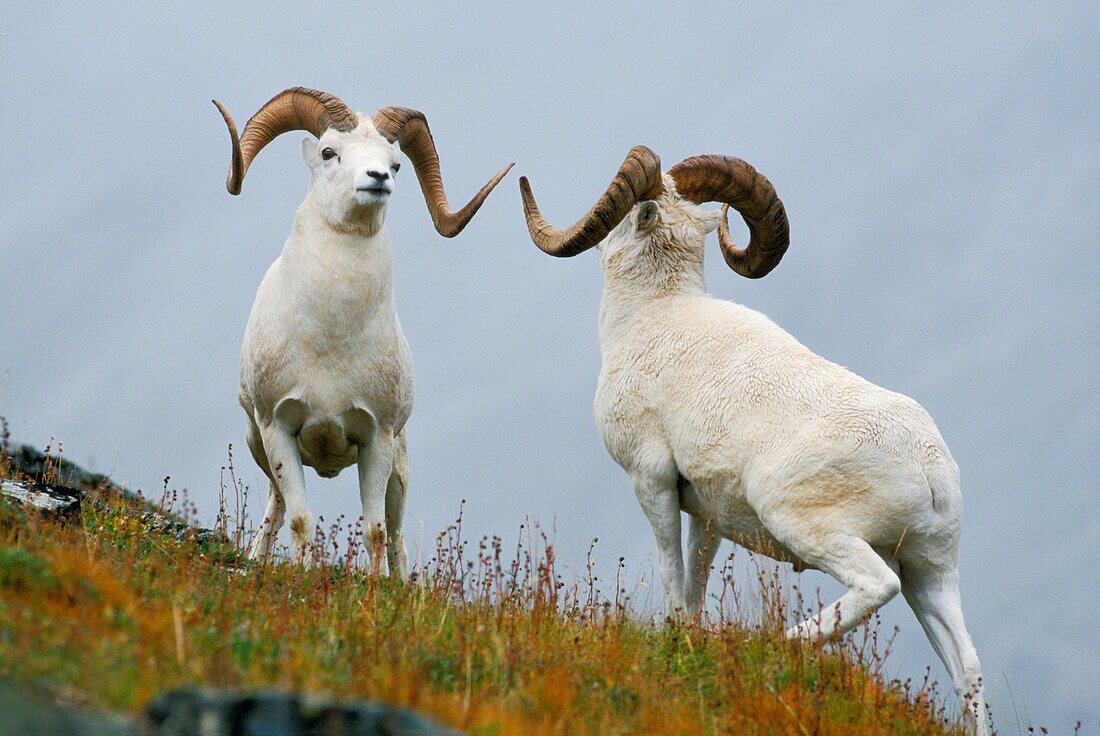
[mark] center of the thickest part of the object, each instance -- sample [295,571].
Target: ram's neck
[338,264]
[313,224]
[363,221]
[629,293]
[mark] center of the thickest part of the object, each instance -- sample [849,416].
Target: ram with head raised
[715,411]
[326,372]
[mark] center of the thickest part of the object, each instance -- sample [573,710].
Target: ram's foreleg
[376,452]
[272,520]
[395,508]
[281,447]
[270,525]
[657,494]
[702,546]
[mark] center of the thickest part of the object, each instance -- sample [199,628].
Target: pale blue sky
[940,166]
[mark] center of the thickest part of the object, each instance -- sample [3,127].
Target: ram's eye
[396,167]
[327,153]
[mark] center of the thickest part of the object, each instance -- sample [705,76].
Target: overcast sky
[940,168]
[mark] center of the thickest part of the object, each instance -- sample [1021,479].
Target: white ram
[714,410]
[326,372]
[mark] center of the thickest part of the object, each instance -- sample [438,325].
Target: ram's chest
[665,393]
[333,328]
[355,361]
[627,414]
[332,341]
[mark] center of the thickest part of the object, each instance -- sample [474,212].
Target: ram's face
[353,174]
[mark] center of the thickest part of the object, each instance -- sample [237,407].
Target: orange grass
[108,610]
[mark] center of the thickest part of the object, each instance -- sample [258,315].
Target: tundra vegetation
[490,636]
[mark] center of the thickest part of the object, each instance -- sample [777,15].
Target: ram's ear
[309,150]
[648,212]
[711,219]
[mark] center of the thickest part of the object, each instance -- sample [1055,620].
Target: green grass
[490,641]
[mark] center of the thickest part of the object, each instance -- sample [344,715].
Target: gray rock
[40,466]
[194,712]
[27,713]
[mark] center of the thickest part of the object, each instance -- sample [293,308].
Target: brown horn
[639,178]
[297,108]
[714,178]
[410,129]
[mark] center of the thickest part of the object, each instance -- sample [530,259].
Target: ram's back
[753,417]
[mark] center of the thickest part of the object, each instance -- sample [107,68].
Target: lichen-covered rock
[52,499]
[55,500]
[157,522]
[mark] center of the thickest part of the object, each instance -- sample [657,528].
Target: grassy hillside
[107,610]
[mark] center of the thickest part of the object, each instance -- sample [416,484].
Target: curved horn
[410,129]
[297,108]
[714,178]
[639,178]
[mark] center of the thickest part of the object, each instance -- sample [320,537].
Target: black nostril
[376,174]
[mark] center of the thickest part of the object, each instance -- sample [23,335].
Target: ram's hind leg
[934,598]
[395,508]
[870,582]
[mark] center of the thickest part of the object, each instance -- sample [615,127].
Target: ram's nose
[374,180]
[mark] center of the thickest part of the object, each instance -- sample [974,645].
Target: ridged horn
[297,108]
[715,178]
[410,129]
[638,179]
